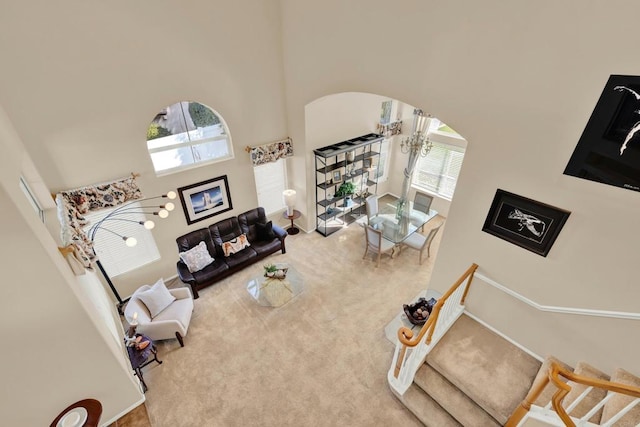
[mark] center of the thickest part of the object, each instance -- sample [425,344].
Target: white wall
[81,83]
[56,350]
[518,80]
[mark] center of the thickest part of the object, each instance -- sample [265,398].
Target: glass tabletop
[397,229]
[274,292]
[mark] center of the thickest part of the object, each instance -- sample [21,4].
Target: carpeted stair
[473,377]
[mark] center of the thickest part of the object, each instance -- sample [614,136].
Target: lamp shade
[289,199]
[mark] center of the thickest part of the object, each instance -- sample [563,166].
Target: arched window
[187,134]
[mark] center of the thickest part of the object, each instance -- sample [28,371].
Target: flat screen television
[609,149]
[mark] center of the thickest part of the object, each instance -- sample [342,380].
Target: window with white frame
[31,197]
[271,181]
[437,173]
[115,256]
[185,135]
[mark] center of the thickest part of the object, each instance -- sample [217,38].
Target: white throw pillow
[156,298]
[197,257]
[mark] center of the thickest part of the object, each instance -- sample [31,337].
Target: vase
[348,201]
[351,156]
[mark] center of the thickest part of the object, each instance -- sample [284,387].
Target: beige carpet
[319,360]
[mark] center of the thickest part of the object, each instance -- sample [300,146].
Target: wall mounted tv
[609,149]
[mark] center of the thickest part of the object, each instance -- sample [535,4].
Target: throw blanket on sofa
[235,245]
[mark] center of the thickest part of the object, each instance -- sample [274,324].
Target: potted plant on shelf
[346,190]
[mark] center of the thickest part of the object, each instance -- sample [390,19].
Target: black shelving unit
[350,159]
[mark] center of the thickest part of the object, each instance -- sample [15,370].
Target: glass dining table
[397,228]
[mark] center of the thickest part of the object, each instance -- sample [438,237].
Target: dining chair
[420,242]
[376,243]
[371,205]
[422,203]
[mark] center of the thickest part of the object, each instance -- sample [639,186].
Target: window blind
[270,183]
[116,257]
[438,171]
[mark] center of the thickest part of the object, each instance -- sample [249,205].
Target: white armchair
[172,322]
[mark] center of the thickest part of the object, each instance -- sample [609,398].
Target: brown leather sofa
[224,231]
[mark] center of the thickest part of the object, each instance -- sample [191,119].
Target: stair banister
[525,406]
[556,371]
[405,334]
[408,355]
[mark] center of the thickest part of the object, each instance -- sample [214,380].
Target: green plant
[346,189]
[202,116]
[156,131]
[270,268]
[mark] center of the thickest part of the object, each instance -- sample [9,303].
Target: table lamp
[289,198]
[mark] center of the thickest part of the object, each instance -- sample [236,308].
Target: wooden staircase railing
[408,355]
[556,371]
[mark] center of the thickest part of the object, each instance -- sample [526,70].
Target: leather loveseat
[264,239]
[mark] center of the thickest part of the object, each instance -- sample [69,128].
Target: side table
[140,358]
[293,229]
[87,411]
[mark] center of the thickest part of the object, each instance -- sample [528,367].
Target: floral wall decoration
[73,204]
[390,129]
[270,152]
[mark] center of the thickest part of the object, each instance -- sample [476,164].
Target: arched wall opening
[341,116]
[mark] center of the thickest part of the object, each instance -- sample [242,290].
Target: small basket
[419,312]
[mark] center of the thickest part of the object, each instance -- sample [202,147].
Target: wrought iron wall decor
[390,129]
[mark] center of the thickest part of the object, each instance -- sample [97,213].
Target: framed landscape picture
[205,199]
[524,222]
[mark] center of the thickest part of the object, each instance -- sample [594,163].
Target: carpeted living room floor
[319,360]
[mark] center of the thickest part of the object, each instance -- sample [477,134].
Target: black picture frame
[205,199]
[603,153]
[524,222]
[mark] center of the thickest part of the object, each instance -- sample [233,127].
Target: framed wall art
[524,222]
[337,177]
[205,199]
[609,149]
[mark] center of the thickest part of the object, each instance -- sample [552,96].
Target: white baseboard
[123,413]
